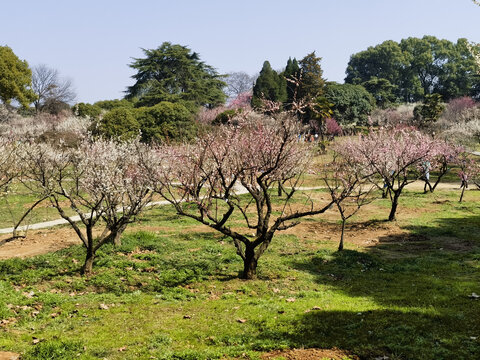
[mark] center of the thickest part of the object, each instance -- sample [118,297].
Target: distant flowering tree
[206,116]
[393,156]
[456,107]
[350,188]
[332,127]
[99,180]
[10,171]
[205,181]
[443,155]
[469,172]
[241,101]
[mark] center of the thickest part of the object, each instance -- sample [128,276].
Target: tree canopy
[174,73]
[291,73]
[269,86]
[300,81]
[15,78]
[312,83]
[351,103]
[416,67]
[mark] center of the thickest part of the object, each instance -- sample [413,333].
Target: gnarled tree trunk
[393,210]
[88,265]
[249,263]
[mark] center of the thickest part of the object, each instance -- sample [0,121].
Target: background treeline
[175,94]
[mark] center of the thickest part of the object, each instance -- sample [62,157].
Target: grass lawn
[171,291]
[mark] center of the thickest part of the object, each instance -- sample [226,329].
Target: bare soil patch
[358,234]
[5,355]
[38,242]
[44,241]
[310,354]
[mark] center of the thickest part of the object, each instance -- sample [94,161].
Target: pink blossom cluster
[332,127]
[242,101]
[246,152]
[389,153]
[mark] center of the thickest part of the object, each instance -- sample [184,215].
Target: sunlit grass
[173,292]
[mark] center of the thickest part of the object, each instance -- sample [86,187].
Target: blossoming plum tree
[443,155]
[350,188]
[469,172]
[233,171]
[392,155]
[10,171]
[99,180]
[8,164]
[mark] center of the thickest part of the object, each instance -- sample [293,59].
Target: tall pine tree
[312,83]
[292,76]
[269,86]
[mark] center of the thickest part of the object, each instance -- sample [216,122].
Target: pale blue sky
[93,41]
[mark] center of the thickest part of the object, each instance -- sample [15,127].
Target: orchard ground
[404,290]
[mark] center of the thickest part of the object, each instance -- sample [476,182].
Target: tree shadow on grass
[374,334]
[424,278]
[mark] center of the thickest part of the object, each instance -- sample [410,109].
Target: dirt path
[38,242]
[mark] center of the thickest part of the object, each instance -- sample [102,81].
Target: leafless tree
[50,88]
[238,83]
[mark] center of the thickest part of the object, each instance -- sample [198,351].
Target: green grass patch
[173,292]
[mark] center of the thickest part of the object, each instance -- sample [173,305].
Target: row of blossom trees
[225,175]
[397,157]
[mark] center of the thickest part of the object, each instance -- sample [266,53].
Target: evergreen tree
[269,86]
[292,75]
[312,83]
[351,103]
[175,74]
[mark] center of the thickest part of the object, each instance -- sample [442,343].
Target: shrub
[119,122]
[114,104]
[87,111]
[351,103]
[166,121]
[56,107]
[226,116]
[429,111]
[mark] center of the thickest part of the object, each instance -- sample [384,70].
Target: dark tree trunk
[396,195]
[340,245]
[117,240]
[430,188]
[117,236]
[88,265]
[461,195]
[385,192]
[249,264]
[279,189]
